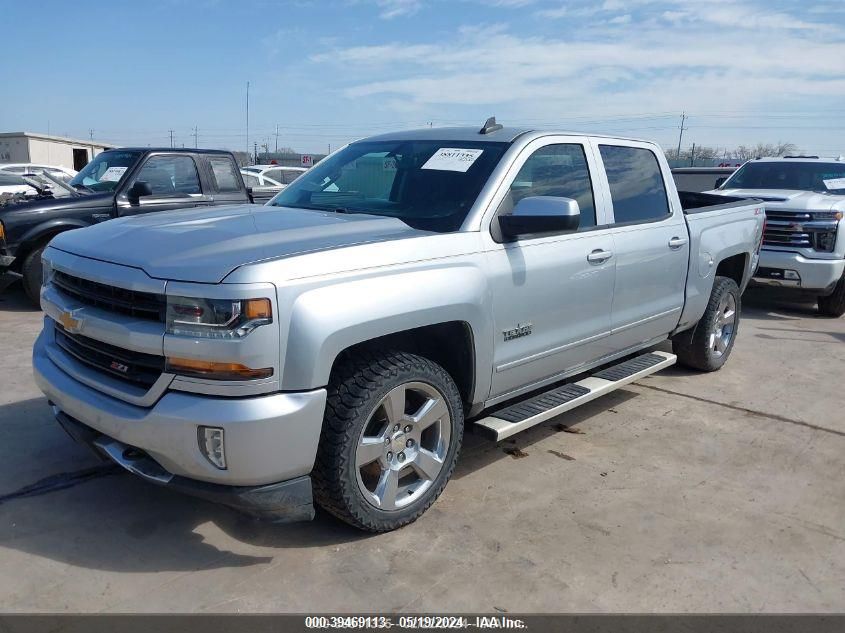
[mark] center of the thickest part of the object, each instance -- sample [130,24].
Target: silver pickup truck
[804,243]
[330,346]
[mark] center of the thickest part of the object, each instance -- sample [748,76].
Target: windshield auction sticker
[452,159]
[112,174]
[835,183]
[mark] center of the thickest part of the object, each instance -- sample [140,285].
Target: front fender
[328,319]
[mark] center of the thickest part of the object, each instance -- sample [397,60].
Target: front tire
[31,272]
[833,305]
[391,435]
[710,343]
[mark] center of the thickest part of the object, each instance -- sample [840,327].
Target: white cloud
[395,8]
[721,56]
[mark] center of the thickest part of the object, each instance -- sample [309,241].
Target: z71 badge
[519,330]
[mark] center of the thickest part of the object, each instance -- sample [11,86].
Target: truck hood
[205,245]
[788,198]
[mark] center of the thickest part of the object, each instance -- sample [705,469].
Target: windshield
[789,175]
[430,185]
[105,171]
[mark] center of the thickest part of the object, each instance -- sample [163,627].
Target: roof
[503,135]
[798,159]
[704,170]
[58,139]
[186,150]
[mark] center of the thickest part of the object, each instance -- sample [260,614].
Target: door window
[557,170]
[170,175]
[636,184]
[250,180]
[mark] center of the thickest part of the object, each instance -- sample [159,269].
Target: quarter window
[557,170]
[225,174]
[170,175]
[636,184]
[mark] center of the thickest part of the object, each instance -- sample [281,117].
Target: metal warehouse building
[27,147]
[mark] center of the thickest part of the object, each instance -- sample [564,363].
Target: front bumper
[283,502]
[268,439]
[814,274]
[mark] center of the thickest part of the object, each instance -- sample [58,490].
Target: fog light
[212,445]
[791,274]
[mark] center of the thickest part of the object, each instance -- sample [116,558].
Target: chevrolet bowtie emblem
[70,322]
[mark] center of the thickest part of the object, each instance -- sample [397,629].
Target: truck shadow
[12,297]
[59,502]
[771,304]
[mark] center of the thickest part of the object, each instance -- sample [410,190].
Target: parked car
[283,175]
[334,342]
[20,169]
[804,244]
[117,183]
[13,184]
[700,179]
[261,187]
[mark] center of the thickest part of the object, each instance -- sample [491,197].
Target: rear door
[175,183]
[650,242]
[551,294]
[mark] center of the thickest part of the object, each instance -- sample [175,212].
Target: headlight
[216,318]
[46,272]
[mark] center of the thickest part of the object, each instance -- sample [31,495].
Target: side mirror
[139,189]
[720,181]
[541,214]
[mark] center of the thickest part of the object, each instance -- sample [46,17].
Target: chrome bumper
[269,438]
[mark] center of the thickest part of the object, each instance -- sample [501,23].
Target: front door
[174,181]
[649,241]
[551,294]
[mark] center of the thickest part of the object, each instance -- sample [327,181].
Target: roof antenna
[490,125]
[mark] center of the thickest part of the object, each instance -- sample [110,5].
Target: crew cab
[117,183]
[331,345]
[804,244]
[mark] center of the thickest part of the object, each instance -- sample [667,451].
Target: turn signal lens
[2,232]
[215,371]
[257,309]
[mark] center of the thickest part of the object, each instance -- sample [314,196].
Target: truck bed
[695,202]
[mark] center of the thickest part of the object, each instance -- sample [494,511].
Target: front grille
[796,229]
[143,305]
[135,367]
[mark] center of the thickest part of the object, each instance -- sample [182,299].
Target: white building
[27,147]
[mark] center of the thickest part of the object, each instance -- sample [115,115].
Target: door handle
[599,256]
[676,242]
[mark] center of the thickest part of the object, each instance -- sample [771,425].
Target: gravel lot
[683,492]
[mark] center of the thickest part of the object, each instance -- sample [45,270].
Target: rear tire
[391,435]
[710,342]
[833,305]
[31,272]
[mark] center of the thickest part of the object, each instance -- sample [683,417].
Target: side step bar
[526,413]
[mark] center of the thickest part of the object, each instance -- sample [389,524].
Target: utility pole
[196,136]
[256,152]
[681,135]
[247,118]
[91,134]
[330,148]
[277,138]
[171,139]
[692,156]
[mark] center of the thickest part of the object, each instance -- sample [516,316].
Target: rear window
[225,173]
[636,184]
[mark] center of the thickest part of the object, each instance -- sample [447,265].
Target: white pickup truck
[331,345]
[804,243]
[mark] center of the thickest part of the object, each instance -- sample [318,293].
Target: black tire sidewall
[31,272]
[833,305]
[725,286]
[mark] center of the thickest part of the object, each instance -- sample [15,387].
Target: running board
[526,413]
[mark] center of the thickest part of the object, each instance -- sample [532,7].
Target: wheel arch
[40,235]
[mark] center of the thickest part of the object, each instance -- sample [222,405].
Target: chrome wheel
[403,446]
[724,325]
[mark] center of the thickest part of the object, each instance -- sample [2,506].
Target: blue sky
[328,72]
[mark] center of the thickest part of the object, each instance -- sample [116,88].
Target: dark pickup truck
[117,183]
